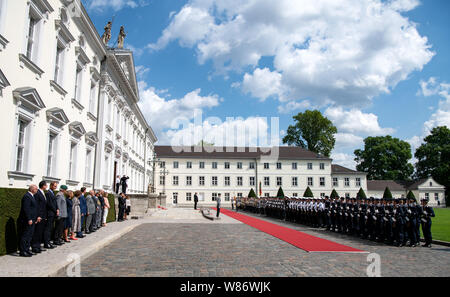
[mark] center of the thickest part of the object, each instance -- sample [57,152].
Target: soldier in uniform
[427,214]
[411,222]
[398,222]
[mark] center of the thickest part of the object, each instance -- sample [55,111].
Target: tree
[434,158]
[385,157]
[312,131]
[361,194]
[334,194]
[411,195]
[308,193]
[280,193]
[252,194]
[387,193]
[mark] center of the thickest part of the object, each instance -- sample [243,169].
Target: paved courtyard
[227,248]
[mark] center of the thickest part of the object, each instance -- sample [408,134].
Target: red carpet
[299,239]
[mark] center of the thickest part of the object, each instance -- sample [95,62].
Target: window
[188,180]
[21,145]
[189,165]
[266,165]
[78,81]
[322,195]
[92,106]
[214,165]
[227,197]
[175,198]
[239,181]
[310,181]
[279,181]
[214,196]
[214,181]
[252,181]
[358,182]
[201,180]
[436,196]
[118,121]
[227,181]
[72,160]
[294,195]
[162,164]
[251,165]
[310,166]
[431,184]
[294,166]
[188,196]
[175,180]
[239,195]
[202,165]
[347,182]
[162,180]
[32,38]
[266,181]
[58,64]
[427,196]
[335,182]
[347,195]
[239,165]
[322,181]
[87,173]
[267,195]
[294,181]
[175,165]
[51,154]
[322,166]
[227,165]
[278,165]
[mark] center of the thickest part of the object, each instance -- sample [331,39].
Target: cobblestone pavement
[197,250]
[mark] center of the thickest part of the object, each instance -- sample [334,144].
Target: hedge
[10,202]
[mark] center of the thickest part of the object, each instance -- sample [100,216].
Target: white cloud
[114,4]
[291,106]
[345,160]
[357,122]
[327,51]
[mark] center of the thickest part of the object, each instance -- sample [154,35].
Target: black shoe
[87,232]
[49,246]
[42,249]
[36,251]
[25,254]
[428,245]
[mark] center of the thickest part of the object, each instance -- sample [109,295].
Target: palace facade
[69,103]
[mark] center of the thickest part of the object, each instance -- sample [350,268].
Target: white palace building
[69,108]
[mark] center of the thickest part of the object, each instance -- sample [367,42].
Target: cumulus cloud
[345,160]
[114,4]
[342,52]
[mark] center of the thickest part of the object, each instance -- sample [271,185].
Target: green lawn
[440,228]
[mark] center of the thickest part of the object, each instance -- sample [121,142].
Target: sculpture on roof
[121,38]
[106,37]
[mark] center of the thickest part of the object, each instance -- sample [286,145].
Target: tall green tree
[308,193]
[252,194]
[411,195]
[361,194]
[312,131]
[280,193]
[433,157]
[385,157]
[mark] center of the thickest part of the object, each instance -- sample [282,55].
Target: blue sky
[373,67]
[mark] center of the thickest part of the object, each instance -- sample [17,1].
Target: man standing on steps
[218,200]
[195,200]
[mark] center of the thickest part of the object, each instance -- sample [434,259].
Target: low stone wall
[141,203]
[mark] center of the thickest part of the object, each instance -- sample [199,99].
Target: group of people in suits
[52,218]
[124,207]
[121,182]
[391,221]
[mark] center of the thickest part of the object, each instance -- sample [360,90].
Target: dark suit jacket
[195,198]
[41,204]
[83,205]
[28,210]
[52,206]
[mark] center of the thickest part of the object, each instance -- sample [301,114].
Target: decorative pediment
[76,129]
[125,157]
[81,54]
[91,138]
[3,81]
[109,146]
[118,152]
[64,34]
[126,62]
[43,6]
[95,74]
[29,97]
[57,117]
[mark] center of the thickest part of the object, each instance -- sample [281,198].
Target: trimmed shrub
[112,210]
[10,202]
[387,193]
[280,193]
[252,194]
[410,195]
[361,194]
[334,194]
[308,193]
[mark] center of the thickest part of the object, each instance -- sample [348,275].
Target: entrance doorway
[114,176]
[175,198]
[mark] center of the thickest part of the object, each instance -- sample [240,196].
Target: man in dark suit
[28,217]
[195,201]
[52,213]
[123,182]
[426,215]
[41,205]
[83,210]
